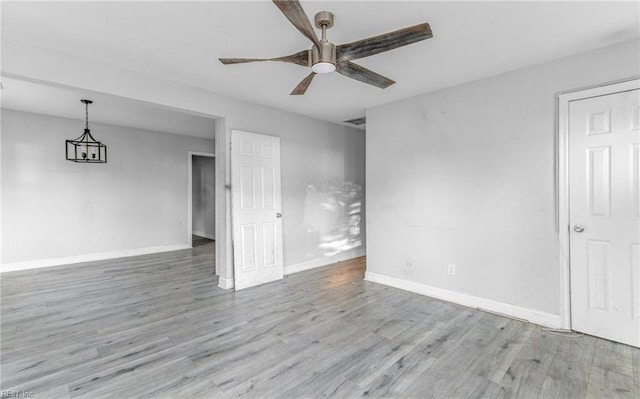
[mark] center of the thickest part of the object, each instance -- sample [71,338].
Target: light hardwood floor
[158,326]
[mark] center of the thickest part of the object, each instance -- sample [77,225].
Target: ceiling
[47,100]
[181,41]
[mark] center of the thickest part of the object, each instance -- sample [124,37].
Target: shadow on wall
[333,212]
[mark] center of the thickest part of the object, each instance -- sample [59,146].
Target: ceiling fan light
[323,67]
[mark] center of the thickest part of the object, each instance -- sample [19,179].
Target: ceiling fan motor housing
[327,53]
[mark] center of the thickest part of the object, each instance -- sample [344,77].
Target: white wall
[313,152]
[203,196]
[466,176]
[53,208]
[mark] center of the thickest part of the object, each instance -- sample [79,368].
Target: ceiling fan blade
[301,58]
[302,87]
[357,72]
[385,42]
[296,15]
[229,61]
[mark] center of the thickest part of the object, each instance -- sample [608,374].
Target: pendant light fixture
[86,149]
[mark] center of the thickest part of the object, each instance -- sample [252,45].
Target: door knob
[578,228]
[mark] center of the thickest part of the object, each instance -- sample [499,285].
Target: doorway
[599,224]
[201,199]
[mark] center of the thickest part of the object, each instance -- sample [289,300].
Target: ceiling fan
[325,57]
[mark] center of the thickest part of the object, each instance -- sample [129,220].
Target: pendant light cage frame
[86,149]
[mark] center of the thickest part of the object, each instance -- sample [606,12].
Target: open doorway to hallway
[202,202]
[203,198]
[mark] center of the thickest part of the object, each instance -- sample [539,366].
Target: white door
[256,207]
[604,173]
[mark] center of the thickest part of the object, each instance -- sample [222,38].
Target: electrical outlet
[451,268]
[95,240]
[409,266]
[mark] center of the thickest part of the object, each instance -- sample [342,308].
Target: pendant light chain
[86,113]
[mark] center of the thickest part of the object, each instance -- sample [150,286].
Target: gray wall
[203,196]
[322,179]
[465,176]
[55,208]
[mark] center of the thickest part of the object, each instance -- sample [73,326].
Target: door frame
[563,100]
[190,156]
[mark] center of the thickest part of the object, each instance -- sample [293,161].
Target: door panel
[598,266]
[604,225]
[269,244]
[598,175]
[268,194]
[248,247]
[635,181]
[256,202]
[247,193]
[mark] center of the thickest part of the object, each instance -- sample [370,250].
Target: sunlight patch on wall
[333,212]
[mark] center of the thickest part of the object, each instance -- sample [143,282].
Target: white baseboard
[203,234]
[225,283]
[319,262]
[504,309]
[67,260]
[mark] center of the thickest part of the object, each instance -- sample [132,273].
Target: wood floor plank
[157,326]
[526,374]
[568,374]
[612,371]
[507,349]
[452,360]
[399,376]
[137,380]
